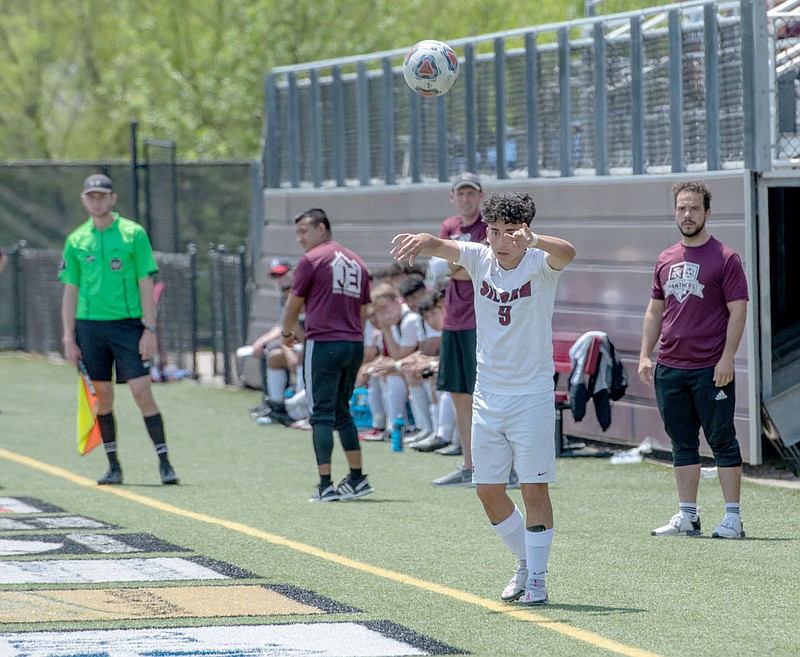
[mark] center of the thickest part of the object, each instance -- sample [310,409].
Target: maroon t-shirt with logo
[696,283]
[334,282]
[459,297]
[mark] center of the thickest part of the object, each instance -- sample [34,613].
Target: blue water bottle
[397,433]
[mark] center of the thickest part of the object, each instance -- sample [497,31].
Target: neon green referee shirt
[106,267]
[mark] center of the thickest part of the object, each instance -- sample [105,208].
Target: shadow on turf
[585,609]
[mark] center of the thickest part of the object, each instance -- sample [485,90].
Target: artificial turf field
[236,561]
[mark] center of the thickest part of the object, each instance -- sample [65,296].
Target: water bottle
[397,433]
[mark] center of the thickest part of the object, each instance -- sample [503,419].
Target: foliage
[74,73]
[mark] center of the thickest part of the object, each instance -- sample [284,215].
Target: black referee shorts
[107,345]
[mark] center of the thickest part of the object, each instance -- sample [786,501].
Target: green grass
[608,577]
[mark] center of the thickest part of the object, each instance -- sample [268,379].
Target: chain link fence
[229,313]
[30,298]
[785,36]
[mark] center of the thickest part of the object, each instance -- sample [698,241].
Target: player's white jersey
[512,308]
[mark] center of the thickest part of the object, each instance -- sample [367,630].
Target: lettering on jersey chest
[504,296]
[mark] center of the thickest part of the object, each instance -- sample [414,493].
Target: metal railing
[671,89]
[784,31]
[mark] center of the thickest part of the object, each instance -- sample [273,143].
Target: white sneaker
[730,527]
[679,525]
[414,436]
[516,587]
[376,435]
[535,593]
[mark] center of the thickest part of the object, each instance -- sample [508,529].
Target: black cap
[98,183]
[467,179]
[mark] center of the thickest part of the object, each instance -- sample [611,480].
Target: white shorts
[513,430]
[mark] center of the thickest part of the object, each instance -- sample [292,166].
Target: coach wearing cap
[109,316]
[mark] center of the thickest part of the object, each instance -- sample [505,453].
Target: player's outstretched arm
[408,246]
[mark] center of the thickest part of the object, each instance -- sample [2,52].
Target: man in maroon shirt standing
[698,308]
[333,284]
[457,365]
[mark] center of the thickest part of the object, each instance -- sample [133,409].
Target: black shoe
[281,416]
[168,475]
[113,476]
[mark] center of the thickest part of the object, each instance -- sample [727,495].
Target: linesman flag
[88,426]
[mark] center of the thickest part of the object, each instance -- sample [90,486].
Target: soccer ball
[430,68]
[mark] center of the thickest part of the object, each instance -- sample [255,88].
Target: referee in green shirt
[109,316]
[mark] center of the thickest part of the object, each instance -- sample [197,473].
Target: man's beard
[692,232]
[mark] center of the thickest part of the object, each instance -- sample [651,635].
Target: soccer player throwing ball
[513,415]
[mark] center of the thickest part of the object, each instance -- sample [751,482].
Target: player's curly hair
[697,186]
[512,208]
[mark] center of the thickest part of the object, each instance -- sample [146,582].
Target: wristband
[534,241]
[287,335]
[149,327]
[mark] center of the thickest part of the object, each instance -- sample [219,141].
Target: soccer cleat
[260,409]
[461,477]
[535,593]
[374,435]
[730,527]
[349,490]
[513,479]
[515,589]
[168,475]
[451,449]
[415,436]
[326,493]
[679,525]
[280,416]
[429,444]
[113,476]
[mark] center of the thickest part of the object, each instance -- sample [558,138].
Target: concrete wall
[618,226]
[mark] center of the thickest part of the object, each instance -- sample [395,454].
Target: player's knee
[684,455]
[727,453]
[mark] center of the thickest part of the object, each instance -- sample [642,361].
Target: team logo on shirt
[346,278]
[682,281]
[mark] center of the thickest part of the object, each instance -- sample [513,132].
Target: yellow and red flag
[88,427]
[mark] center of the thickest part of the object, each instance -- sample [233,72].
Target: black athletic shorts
[458,363]
[112,344]
[689,400]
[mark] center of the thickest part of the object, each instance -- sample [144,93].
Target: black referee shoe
[168,475]
[113,476]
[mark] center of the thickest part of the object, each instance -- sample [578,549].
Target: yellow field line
[497,607]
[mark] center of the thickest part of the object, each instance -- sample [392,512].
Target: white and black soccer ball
[430,68]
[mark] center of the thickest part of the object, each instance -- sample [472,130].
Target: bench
[561,346]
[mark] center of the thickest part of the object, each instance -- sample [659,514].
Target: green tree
[74,73]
